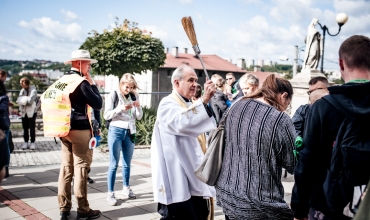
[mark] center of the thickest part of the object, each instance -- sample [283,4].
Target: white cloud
[359,8]
[275,13]
[110,16]
[185,1]
[199,16]
[156,32]
[54,30]
[69,16]
[250,1]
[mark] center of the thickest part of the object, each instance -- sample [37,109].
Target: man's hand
[209,90]
[87,76]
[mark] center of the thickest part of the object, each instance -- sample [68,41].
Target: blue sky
[249,29]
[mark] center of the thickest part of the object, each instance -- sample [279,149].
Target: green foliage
[338,81]
[145,126]
[13,84]
[10,66]
[125,49]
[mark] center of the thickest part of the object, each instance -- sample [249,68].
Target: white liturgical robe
[176,152]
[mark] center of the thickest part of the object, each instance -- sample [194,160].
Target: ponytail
[270,90]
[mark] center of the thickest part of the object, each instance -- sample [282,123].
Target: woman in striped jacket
[259,143]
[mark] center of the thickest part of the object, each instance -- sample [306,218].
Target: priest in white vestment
[176,151]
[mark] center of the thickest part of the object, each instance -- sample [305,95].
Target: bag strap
[224,116]
[115,102]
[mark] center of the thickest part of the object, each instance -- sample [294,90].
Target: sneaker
[92,214]
[25,145]
[111,199]
[33,146]
[126,191]
[89,180]
[64,215]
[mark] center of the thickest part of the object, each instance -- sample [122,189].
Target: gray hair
[179,73]
[250,78]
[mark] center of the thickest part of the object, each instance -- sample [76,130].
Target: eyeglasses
[310,91]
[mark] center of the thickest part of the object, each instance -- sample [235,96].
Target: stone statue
[314,46]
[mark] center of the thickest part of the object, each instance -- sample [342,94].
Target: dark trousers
[29,124]
[196,208]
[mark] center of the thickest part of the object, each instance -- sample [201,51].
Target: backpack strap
[115,102]
[339,107]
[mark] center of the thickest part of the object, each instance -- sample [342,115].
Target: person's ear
[341,64]
[283,96]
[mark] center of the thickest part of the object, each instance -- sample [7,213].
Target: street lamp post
[341,20]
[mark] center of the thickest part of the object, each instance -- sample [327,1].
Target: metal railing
[147,99]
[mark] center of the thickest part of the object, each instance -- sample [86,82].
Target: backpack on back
[115,102]
[350,162]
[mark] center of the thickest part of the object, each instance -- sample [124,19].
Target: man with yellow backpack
[66,107]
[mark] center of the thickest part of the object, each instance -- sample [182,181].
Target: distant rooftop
[212,62]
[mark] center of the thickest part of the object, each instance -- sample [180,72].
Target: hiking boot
[111,199]
[25,145]
[89,180]
[92,214]
[64,215]
[33,146]
[126,191]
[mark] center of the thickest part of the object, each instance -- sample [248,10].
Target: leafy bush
[145,126]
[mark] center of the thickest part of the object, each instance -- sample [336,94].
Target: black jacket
[4,112]
[218,105]
[299,117]
[322,124]
[84,94]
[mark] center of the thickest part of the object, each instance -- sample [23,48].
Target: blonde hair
[128,78]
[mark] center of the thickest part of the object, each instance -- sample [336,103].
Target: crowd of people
[260,140]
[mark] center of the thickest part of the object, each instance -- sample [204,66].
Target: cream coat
[27,104]
[176,152]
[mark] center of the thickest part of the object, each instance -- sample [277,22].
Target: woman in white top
[123,108]
[27,108]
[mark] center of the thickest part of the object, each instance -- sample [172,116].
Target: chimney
[185,50]
[175,51]
[257,69]
[241,63]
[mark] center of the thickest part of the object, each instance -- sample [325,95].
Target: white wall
[144,81]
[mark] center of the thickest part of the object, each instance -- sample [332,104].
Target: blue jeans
[118,139]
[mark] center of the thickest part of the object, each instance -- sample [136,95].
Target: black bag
[350,162]
[115,102]
[10,142]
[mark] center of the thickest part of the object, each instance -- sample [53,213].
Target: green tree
[13,82]
[125,49]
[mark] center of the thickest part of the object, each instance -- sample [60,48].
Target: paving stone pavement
[34,179]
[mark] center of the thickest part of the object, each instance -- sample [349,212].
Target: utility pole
[295,61]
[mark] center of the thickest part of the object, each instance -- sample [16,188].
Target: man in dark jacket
[76,155]
[299,117]
[322,124]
